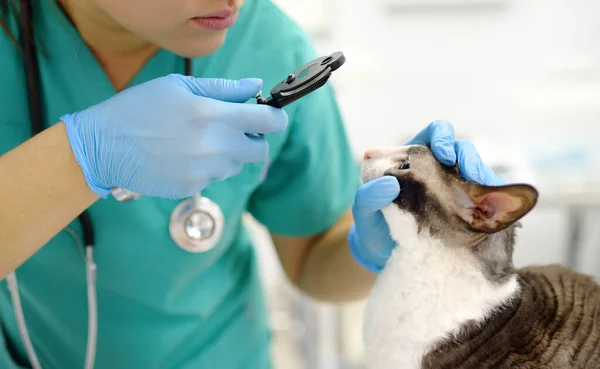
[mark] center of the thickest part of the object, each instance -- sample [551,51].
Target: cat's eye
[404,165]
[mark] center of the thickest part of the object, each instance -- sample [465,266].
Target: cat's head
[435,200]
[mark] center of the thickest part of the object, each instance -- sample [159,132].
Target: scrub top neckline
[56,24]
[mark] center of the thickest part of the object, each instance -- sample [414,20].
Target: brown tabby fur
[552,324]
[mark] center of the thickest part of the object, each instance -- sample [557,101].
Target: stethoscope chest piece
[196,224]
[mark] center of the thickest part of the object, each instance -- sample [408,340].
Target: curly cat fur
[449,296]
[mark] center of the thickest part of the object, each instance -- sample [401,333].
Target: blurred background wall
[521,79]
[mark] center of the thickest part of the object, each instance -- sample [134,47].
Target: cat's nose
[384,152]
[369,154]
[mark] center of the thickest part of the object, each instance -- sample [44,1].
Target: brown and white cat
[450,297]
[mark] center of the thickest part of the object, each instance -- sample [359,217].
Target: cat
[450,297]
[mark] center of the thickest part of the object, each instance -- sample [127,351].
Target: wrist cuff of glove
[355,244]
[79,153]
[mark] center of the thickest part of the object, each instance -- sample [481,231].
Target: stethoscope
[196,224]
[86,243]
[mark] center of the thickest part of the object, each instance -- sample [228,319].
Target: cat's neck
[426,292]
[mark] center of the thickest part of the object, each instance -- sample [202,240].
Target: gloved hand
[169,137]
[369,238]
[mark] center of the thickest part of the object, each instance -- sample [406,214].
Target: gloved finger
[248,149]
[374,233]
[232,169]
[255,118]
[223,140]
[369,259]
[439,135]
[213,167]
[472,168]
[374,225]
[375,195]
[235,91]
[235,168]
[195,186]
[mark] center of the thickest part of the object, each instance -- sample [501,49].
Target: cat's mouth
[411,191]
[384,161]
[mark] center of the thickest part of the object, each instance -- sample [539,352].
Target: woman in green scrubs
[120,113]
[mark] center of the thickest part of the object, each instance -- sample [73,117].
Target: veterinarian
[119,112]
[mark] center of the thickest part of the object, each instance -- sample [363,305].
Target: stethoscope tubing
[37,119]
[13,287]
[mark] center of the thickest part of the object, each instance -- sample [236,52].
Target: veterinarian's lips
[217,21]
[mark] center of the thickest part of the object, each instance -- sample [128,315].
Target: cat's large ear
[491,209]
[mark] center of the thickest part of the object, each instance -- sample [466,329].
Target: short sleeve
[313,179]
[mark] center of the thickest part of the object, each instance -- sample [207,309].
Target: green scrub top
[160,306]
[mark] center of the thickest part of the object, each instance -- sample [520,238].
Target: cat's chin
[370,173]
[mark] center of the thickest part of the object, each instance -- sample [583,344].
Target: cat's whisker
[450,297]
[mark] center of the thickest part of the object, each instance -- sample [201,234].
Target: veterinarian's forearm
[331,273]
[41,186]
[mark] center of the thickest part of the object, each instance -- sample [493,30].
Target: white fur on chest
[425,293]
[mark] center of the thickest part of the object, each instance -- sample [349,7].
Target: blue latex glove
[369,237]
[169,137]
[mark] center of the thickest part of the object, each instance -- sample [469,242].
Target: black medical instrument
[303,81]
[300,83]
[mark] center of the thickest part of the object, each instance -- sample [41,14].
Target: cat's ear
[491,209]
